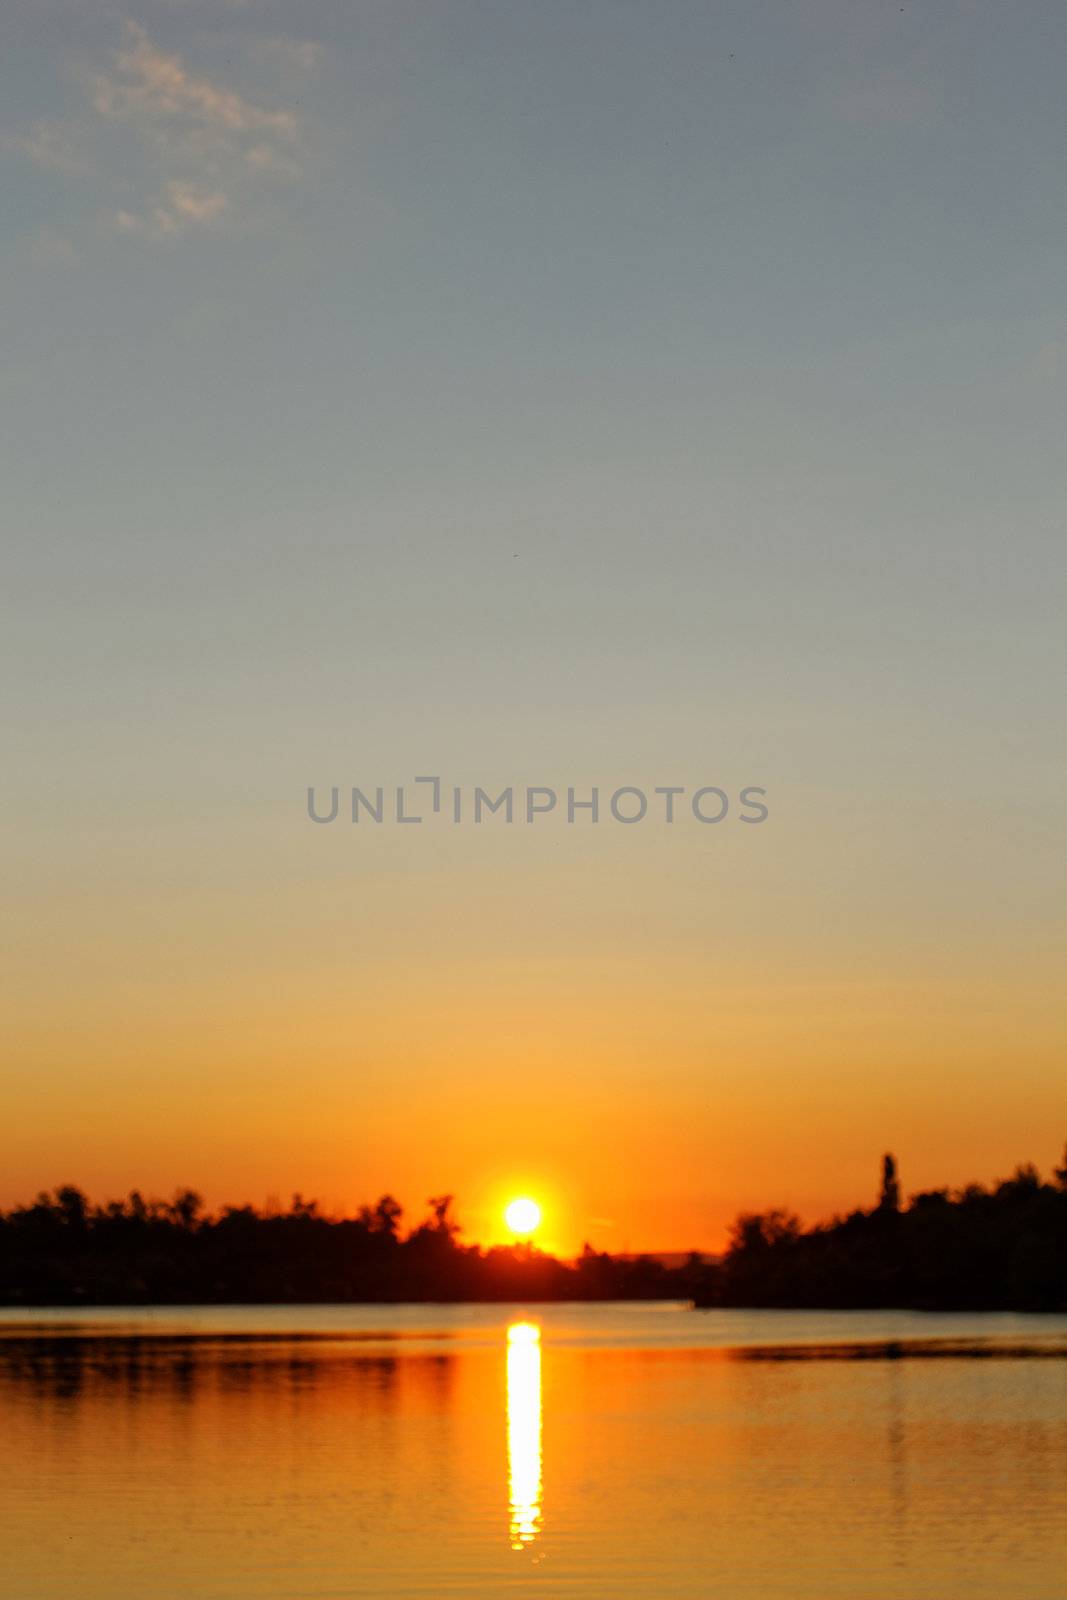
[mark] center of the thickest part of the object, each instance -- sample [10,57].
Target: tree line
[1002,1247]
[63,1250]
[979,1248]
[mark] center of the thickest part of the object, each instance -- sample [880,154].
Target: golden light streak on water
[524,1433]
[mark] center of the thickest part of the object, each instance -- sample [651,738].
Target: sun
[523,1215]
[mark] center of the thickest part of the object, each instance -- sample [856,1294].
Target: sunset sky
[536,394]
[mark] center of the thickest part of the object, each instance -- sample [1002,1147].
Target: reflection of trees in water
[72,1367]
[941,1349]
[65,1366]
[897,1458]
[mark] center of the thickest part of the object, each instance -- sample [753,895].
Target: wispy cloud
[178,148]
[54,146]
[150,86]
[180,205]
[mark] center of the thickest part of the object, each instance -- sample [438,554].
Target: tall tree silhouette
[889,1199]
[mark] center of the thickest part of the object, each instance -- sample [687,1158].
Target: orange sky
[567,1015]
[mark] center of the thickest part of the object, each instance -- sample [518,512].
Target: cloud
[54,146]
[172,148]
[264,158]
[181,205]
[146,84]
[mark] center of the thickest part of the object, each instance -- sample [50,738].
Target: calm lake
[604,1451]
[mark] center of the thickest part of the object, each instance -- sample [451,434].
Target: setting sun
[523,1216]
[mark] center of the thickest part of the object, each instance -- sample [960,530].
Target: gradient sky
[585,393]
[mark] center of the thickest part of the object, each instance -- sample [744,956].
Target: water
[300,1453]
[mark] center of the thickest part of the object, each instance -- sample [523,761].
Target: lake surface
[318,1453]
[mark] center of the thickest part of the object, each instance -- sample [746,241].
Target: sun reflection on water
[524,1433]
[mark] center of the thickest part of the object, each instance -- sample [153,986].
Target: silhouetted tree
[441,1210]
[1003,1247]
[889,1199]
[386,1216]
[186,1208]
[73,1207]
